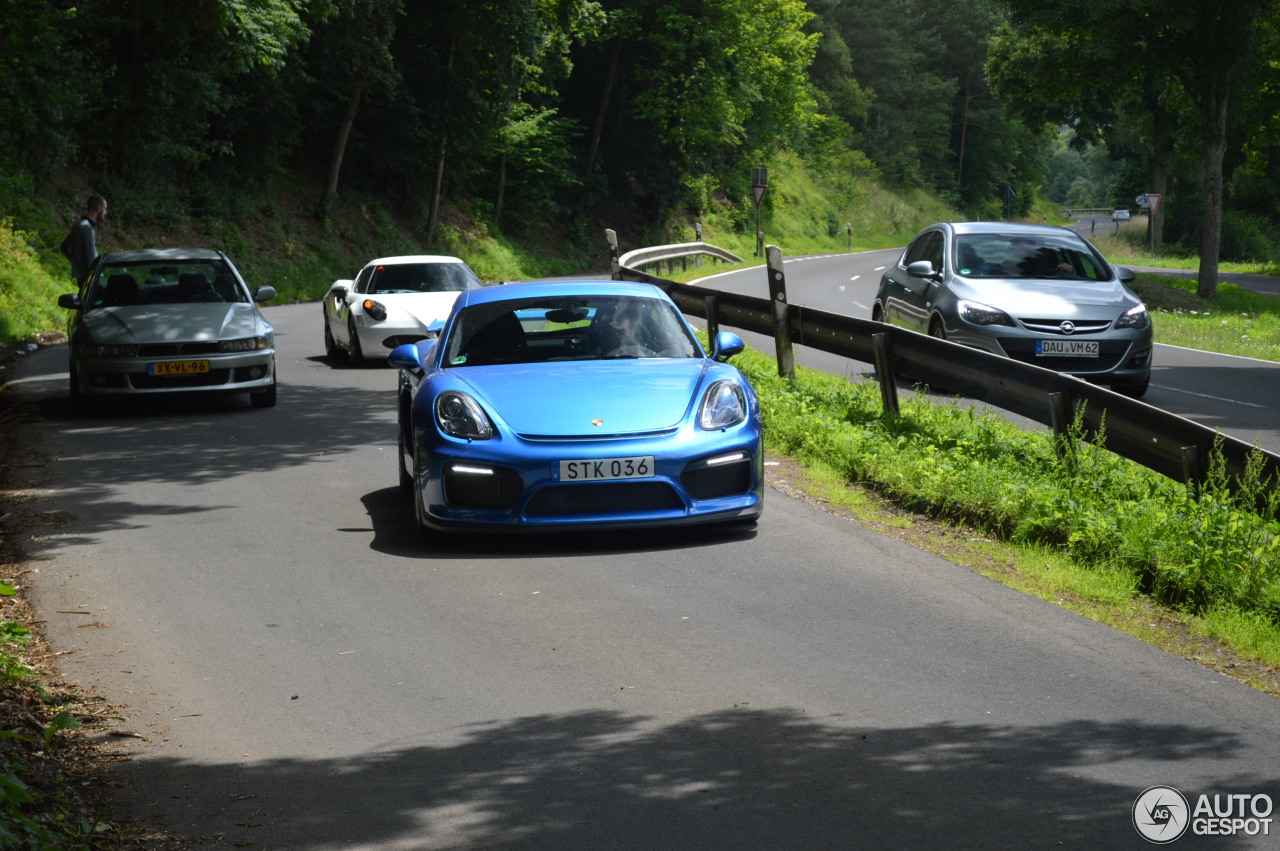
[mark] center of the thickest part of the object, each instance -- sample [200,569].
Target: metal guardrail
[1167,443]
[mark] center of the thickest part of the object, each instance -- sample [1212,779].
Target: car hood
[173,323]
[564,399]
[1050,296]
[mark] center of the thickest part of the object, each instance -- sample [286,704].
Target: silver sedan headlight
[723,405]
[977,313]
[1134,317]
[246,344]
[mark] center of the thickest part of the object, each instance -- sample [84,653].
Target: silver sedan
[1041,295]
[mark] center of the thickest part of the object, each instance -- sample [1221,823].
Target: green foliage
[28,292]
[1195,550]
[46,831]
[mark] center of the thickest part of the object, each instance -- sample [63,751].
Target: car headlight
[981,314]
[1134,317]
[103,350]
[247,344]
[458,415]
[375,310]
[723,405]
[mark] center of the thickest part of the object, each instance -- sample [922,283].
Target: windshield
[994,255]
[564,328]
[422,278]
[170,282]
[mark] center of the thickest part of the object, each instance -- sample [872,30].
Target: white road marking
[1207,396]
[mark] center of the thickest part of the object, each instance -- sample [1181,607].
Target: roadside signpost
[759,183]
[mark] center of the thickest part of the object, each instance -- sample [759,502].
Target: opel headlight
[723,405]
[458,415]
[981,314]
[1134,317]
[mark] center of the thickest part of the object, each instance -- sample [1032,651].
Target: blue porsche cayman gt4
[544,405]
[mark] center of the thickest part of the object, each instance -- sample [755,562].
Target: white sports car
[392,301]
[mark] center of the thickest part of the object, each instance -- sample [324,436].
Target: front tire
[330,344]
[357,353]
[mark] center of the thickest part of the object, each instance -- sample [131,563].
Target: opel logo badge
[1067,327]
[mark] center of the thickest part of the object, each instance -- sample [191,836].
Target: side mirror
[1125,274]
[406,357]
[340,289]
[922,269]
[726,345]
[264,294]
[70,301]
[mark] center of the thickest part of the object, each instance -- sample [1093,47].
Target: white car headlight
[375,310]
[458,415]
[1134,317]
[981,314]
[723,405]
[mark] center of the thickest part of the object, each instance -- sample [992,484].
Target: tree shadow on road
[740,778]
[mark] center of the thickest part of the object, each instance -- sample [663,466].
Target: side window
[362,280]
[927,246]
[933,250]
[916,250]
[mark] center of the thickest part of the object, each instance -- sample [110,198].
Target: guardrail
[1167,443]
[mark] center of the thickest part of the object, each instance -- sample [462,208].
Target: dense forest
[525,115]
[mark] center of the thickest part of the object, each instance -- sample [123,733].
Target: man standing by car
[81,244]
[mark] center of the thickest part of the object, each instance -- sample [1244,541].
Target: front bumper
[716,478]
[226,373]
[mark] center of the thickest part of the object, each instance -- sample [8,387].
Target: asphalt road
[1237,395]
[294,671]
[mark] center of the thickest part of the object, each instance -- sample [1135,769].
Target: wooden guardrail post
[1193,472]
[615,268]
[713,321]
[778,297]
[1060,418]
[884,372]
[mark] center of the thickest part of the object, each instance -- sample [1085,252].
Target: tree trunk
[1214,113]
[597,129]
[964,126]
[339,148]
[433,216]
[502,187]
[1163,151]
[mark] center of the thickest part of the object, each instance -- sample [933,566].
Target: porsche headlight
[246,344]
[981,314]
[1134,317]
[723,405]
[458,415]
[375,310]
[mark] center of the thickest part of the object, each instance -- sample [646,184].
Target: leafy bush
[28,293]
